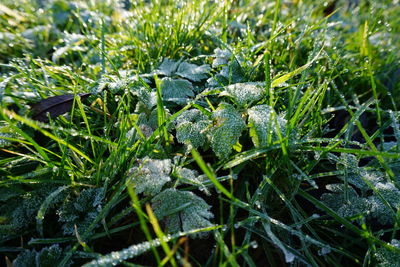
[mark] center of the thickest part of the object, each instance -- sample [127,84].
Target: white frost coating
[228,126]
[150,176]
[262,123]
[245,93]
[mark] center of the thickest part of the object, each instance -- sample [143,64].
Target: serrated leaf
[192,177]
[193,72]
[168,67]
[262,124]
[189,127]
[176,88]
[150,176]
[80,211]
[228,126]
[181,210]
[386,257]
[244,93]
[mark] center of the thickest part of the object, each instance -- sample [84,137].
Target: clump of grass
[216,133]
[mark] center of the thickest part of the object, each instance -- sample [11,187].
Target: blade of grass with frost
[83,113]
[276,82]
[160,235]
[43,208]
[35,125]
[210,174]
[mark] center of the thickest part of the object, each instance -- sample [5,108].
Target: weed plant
[216,133]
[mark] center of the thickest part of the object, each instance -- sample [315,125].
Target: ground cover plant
[199,133]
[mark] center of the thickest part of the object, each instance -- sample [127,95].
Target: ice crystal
[150,175]
[226,131]
[80,210]
[262,124]
[189,128]
[245,93]
[181,210]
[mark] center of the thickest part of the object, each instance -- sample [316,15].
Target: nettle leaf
[151,175]
[245,93]
[193,72]
[47,257]
[381,211]
[168,67]
[386,257]
[80,210]
[345,207]
[356,175]
[191,177]
[226,131]
[176,88]
[181,210]
[262,124]
[190,127]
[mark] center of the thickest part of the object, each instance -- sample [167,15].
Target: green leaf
[262,125]
[190,126]
[386,257]
[176,89]
[228,126]
[150,176]
[181,210]
[168,67]
[245,93]
[193,72]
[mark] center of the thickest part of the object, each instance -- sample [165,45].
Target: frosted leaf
[193,72]
[181,210]
[48,256]
[189,127]
[167,67]
[150,176]
[226,131]
[386,257]
[245,93]
[337,201]
[176,88]
[191,177]
[262,124]
[81,210]
[222,57]
[381,211]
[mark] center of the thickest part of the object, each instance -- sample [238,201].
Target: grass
[226,133]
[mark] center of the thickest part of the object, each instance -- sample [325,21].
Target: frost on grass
[181,210]
[386,257]
[190,126]
[262,124]
[48,256]
[150,175]
[245,93]
[168,67]
[81,210]
[226,131]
